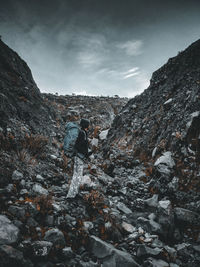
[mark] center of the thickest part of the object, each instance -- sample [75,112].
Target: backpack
[72,132]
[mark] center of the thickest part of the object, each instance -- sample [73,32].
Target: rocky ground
[139,204]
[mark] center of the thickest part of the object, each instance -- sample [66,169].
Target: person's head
[84,123]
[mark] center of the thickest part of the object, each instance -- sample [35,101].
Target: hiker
[80,155]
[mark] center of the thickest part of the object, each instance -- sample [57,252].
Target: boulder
[122,207]
[41,248]
[9,233]
[12,257]
[109,255]
[16,176]
[55,236]
[165,163]
[38,189]
[144,251]
[187,216]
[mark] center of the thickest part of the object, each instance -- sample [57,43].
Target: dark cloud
[103,47]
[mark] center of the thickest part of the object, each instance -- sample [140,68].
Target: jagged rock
[41,248]
[9,233]
[153,201]
[149,225]
[16,176]
[18,212]
[171,251]
[67,253]
[122,207]
[187,216]
[103,135]
[88,225]
[173,185]
[184,250]
[109,255]
[128,227]
[32,222]
[144,251]
[55,236]
[39,178]
[165,163]
[88,264]
[156,263]
[12,257]
[38,189]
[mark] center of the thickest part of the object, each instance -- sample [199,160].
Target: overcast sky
[98,47]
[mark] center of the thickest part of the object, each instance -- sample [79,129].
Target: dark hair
[84,123]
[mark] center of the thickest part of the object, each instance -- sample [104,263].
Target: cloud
[131,73]
[87,59]
[92,50]
[132,48]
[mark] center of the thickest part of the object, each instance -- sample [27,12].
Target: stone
[187,216]
[23,192]
[144,250]
[67,252]
[165,216]
[32,222]
[122,207]
[94,142]
[88,264]
[9,233]
[55,236]
[109,255]
[18,212]
[53,157]
[12,257]
[156,263]
[171,251]
[103,134]
[17,176]
[88,225]
[39,178]
[153,201]
[41,248]
[149,225]
[38,189]
[165,163]
[174,184]
[128,227]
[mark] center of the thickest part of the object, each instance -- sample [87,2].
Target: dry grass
[26,148]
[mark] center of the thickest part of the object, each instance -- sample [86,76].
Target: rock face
[165,118]
[139,202]
[20,98]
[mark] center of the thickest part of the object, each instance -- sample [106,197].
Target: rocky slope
[139,202]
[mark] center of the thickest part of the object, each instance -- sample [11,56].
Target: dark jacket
[82,144]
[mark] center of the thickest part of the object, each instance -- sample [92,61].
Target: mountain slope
[166,117]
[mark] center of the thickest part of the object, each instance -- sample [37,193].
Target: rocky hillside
[166,117]
[139,203]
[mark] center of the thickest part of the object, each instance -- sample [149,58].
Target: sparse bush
[34,143]
[95,201]
[23,146]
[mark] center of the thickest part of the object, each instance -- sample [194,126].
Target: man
[81,154]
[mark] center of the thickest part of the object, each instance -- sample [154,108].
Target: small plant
[24,156]
[96,203]
[34,143]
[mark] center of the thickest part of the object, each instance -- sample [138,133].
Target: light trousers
[77,177]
